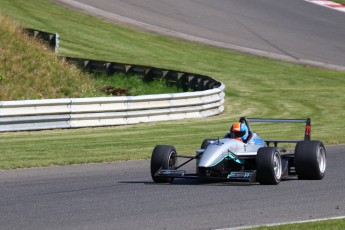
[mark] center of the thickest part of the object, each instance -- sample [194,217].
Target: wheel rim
[172,160]
[321,159]
[277,166]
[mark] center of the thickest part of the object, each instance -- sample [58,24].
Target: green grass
[339,1]
[134,85]
[255,87]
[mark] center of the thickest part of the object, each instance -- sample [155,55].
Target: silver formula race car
[256,160]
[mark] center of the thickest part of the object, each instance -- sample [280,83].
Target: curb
[329,4]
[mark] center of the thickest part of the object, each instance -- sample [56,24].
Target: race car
[255,160]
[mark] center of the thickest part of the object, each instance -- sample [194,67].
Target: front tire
[163,157]
[268,166]
[310,160]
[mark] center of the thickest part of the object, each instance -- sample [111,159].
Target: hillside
[29,70]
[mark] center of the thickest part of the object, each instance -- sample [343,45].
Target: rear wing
[307,131]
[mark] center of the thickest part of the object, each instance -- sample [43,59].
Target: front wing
[235,176]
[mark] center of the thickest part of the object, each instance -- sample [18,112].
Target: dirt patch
[115,91]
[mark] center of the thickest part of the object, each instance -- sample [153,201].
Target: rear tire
[268,166]
[163,157]
[310,160]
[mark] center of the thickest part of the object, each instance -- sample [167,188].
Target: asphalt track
[293,30]
[122,196]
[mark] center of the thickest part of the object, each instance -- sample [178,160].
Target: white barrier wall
[108,111]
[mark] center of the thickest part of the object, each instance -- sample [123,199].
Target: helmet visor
[238,134]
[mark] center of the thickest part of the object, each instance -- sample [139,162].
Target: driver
[239,131]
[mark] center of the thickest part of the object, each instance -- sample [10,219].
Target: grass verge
[339,1]
[336,224]
[255,87]
[133,85]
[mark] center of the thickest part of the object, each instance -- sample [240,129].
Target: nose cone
[216,152]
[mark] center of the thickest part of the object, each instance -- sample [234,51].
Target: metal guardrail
[50,39]
[184,80]
[107,111]
[207,99]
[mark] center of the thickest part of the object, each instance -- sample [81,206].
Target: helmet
[239,131]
